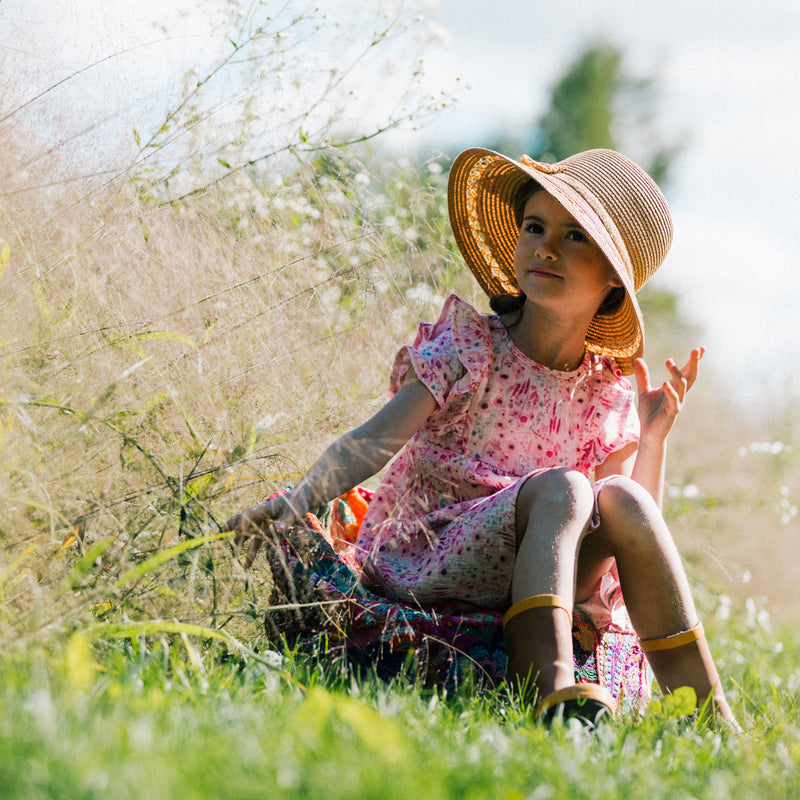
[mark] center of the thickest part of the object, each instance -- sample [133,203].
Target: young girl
[531,480]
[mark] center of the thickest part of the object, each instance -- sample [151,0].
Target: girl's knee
[629,517]
[621,497]
[558,491]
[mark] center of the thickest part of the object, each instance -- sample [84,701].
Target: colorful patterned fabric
[320,602]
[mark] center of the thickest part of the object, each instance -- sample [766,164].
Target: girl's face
[556,261]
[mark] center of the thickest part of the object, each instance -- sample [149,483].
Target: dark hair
[521,197]
[507,303]
[510,303]
[613,302]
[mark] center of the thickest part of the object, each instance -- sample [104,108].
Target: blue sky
[730,88]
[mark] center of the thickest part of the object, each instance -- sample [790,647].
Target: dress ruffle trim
[472,343]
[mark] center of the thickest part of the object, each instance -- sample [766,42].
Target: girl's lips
[543,273]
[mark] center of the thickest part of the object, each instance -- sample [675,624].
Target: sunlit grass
[149,718]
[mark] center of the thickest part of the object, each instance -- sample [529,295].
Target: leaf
[381,735]
[84,564]
[167,336]
[154,562]
[133,630]
[109,390]
[197,487]
[5,256]
[224,163]
[81,668]
[681,703]
[12,571]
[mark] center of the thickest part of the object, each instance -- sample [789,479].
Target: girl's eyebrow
[572,224]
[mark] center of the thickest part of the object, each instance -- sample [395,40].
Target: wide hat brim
[611,197]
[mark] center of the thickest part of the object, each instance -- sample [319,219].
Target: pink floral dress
[441,525]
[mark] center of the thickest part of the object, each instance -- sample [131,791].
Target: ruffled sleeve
[616,419]
[450,356]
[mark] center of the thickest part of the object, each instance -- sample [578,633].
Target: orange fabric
[348,513]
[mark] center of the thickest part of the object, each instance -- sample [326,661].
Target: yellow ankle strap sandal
[589,703]
[536,601]
[671,642]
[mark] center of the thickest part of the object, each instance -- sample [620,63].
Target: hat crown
[620,189]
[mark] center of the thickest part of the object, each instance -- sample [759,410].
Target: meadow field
[165,364]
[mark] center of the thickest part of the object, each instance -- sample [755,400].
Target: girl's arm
[351,459]
[658,408]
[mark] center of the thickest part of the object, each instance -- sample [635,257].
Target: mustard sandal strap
[579,692]
[676,640]
[588,703]
[537,601]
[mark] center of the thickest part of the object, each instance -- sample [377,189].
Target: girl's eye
[534,227]
[577,236]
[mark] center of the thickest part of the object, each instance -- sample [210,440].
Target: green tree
[598,103]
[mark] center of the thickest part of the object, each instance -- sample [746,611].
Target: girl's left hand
[659,406]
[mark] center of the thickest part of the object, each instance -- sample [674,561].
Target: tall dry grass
[165,365]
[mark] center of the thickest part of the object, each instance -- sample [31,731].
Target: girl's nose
[546,249]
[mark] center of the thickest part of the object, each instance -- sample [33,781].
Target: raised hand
[659,406]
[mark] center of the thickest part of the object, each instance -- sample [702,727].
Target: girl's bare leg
[654,583]
[554,510]
[553,513]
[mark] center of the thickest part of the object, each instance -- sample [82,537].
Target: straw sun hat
[610,196]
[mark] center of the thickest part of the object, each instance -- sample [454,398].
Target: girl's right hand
[262,522]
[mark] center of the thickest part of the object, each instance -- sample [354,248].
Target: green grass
[164,718]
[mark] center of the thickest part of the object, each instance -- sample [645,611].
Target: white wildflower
[770,448]
[265,423]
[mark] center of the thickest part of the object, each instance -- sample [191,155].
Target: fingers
[231,523]
[246,525]
[695,357]
[674,398]
[642,374]
[683,379]
[255,527]
[257,524]
[252,551]
[255,537]
[679,383]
